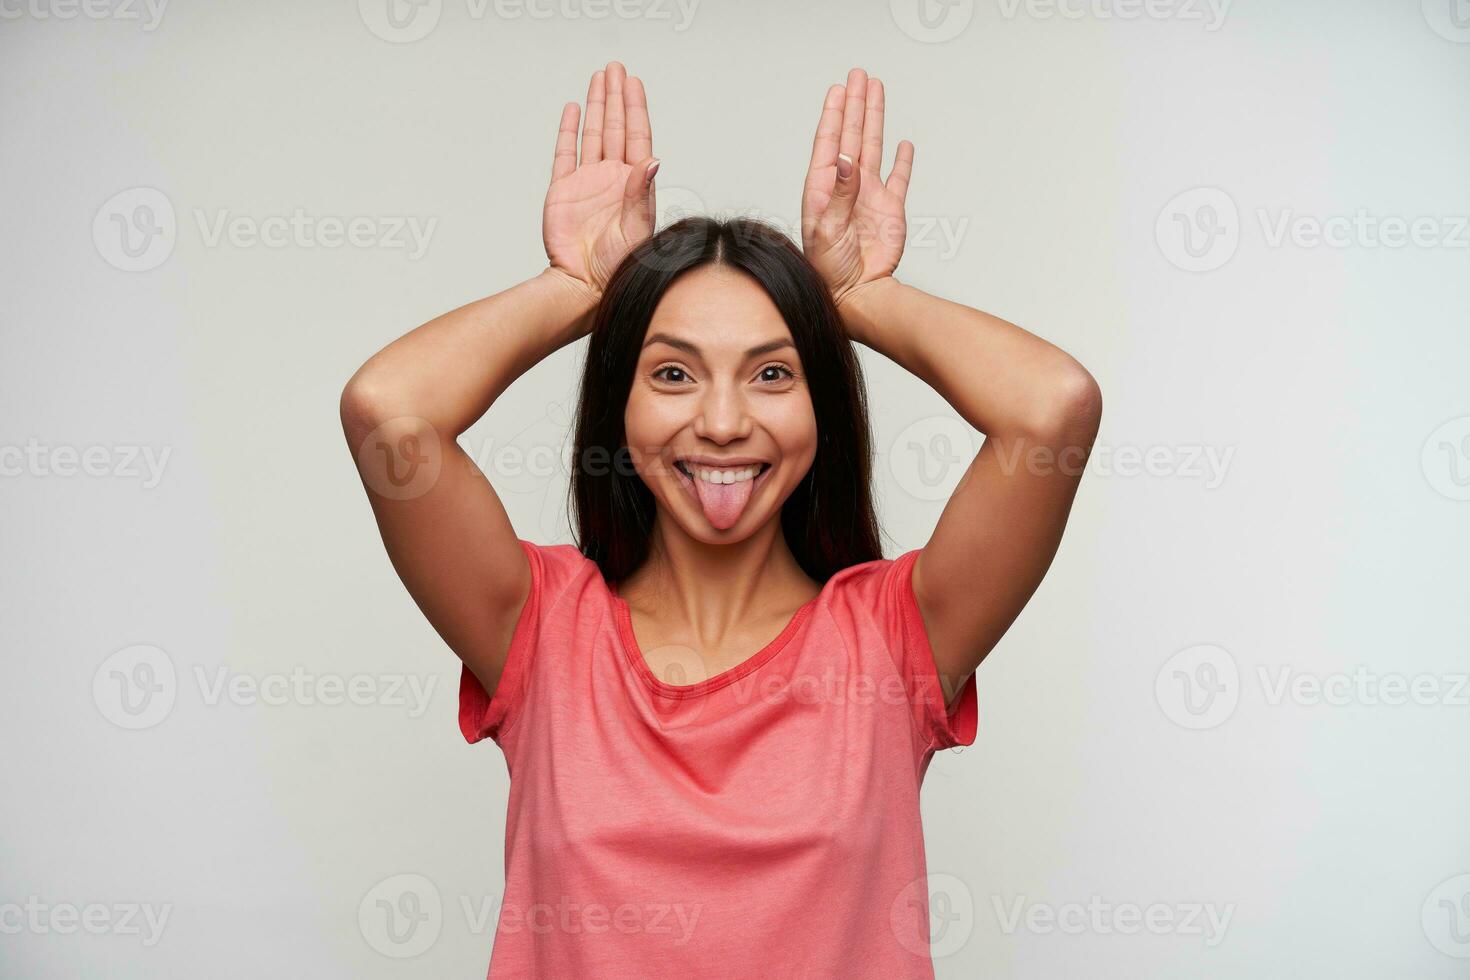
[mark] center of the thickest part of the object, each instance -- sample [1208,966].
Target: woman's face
[719,421]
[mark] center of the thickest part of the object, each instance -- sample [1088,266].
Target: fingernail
[844,166]
[652,169]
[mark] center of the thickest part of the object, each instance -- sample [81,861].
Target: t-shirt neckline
[634,653]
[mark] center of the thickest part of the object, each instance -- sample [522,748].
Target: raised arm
[443,525]
[1038,408]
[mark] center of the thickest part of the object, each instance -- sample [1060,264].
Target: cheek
[793,424]
[649,424]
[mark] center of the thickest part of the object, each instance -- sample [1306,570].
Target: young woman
[717,710]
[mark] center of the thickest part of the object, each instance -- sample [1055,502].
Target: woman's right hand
[599,208]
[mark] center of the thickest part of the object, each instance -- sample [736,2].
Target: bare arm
[1038,408]
[443,525]
[1039,411]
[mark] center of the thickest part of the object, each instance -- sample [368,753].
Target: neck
[715,586]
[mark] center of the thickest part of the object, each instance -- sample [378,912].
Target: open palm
[853,230]
[598,209]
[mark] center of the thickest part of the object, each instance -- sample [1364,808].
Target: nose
[723,415]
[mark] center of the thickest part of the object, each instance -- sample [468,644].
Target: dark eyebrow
[693,350]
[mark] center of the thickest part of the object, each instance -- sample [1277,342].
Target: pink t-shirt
[761,823]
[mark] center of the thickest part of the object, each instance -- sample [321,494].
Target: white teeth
[727,476]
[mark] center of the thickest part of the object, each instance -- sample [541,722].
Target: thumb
[844,191]
[638,201]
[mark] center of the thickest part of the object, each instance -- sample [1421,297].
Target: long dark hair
[828,519]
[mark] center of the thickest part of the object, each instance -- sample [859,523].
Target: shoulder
[557,568]
[872,583]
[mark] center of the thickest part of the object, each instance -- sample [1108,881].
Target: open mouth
[723,492]
[721,474]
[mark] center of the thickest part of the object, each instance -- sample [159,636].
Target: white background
[1052,147]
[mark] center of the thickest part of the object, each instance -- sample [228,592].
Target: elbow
[364,406]
[1072,410]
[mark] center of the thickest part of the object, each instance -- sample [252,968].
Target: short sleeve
[898,616]
[553,569]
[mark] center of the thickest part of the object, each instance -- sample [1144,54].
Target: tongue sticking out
[723,503]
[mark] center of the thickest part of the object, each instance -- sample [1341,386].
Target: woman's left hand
[853,226]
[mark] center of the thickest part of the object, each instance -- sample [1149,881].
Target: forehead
[720,309]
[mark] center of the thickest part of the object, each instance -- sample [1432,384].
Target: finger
[903,168]
[565,159]
[844,195]
[853,110]
[829,129]
[638,208]
[872,152]
[613,129]
[640,130]
[592,124]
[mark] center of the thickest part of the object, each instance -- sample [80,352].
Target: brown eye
[664,373]
[780,371]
